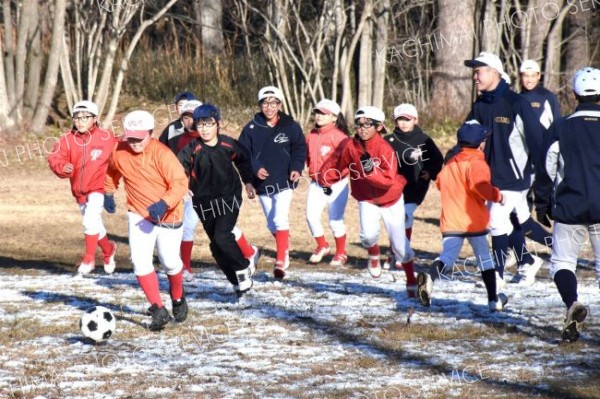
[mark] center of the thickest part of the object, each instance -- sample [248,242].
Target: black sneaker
[180,309]
[160,318]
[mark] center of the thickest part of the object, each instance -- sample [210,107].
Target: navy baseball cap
[207,111]
[471,134]
[185,95]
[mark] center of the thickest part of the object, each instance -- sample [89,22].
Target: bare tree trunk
[577,52]
[365,63]
[9,59]
[381,40]
[41,111]
[539,16]
[212,26]
[552,70]
[27,14]
[452,84]
[35,65]
[6,121]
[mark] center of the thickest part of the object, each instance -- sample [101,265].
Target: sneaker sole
[571,332]
[279,273]
[422,294]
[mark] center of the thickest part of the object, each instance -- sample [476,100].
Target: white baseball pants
[316,201]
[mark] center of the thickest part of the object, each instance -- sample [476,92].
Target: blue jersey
[544,105]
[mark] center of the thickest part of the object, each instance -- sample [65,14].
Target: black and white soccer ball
[98,323]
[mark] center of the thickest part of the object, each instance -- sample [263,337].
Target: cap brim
[474,63]
[406,116]
[323,110]
[136,134]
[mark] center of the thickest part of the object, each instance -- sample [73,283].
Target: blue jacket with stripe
[515,143]
[544,103]
[572,165]
[280,149]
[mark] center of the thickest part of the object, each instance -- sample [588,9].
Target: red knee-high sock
[176,283]
[149,284]
[410,273]
[105,245]
[245,246]
[91,243]
[374,250]
[186,254]
[340,245]
[282,240]
[408,233]
[321,242]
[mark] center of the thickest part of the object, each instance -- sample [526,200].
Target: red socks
[340,245]
[176,283]
[321,242]
[410,273]
[245,246]
[105,245]
[186,254]
[149,284]
[408,233]
[282,240]
[374,250]
[91,243]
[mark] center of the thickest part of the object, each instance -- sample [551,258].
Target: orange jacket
[149,176]
[88,152]
[323,143]
[465,185]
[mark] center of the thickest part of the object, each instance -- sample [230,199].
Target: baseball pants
[316,201]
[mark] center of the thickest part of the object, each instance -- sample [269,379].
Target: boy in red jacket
[465,186]
[82,156]
[377,186]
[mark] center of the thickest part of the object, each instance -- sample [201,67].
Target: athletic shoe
[253,260]
[411,290]
[374,266]
[500,283]
[511,259]
[244,281]
[187,275]
[281,267]
[499,305]
[109,261]
[575,315]
[526,274]
[318,254]
[424,288]
[180,309]
[389,261]
[86,266]
[339,260]
[160,318]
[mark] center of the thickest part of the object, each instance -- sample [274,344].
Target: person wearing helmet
[572,164]
[215,163]
[155,184]
[82,156]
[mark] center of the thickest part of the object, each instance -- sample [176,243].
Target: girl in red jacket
[377,186]
[82,156]
[326,141]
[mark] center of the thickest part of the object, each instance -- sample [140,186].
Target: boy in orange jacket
[465,186]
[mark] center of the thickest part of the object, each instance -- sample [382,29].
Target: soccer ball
[97,323]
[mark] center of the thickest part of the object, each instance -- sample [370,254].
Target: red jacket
[383,186]
[89,153]
[465,185]
[323,143]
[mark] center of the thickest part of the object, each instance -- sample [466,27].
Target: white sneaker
[318,254]
[374,266]
[109,261]
[244,281]
[498,306]
[254,260]
[389,261]
[575,315]
[424,288]
[187,276]
[500,283]
[527,272]
[511,259]
[86,267]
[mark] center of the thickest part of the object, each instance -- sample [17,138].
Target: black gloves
[158,210]
[543,217]
[109,203]
[366,162]
[327,190]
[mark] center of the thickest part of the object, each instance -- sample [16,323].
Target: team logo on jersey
[536,104]
[502,119]
[95,154]
[416,154]
[281,138]
[325,150]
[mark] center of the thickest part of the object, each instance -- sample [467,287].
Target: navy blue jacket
[515,143]
[544,103]
[572,164]
[280,150]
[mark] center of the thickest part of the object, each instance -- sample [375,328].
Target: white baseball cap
[586,82]
[85,106]
[370,112]
[270,91]
[137,124]
[189,106]
[486,59]
[327,107]
[406,110]
[529,66]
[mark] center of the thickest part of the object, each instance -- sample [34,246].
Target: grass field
[322,333]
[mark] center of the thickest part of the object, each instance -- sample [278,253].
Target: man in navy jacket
[277,150]
[572,164]
[511,151]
